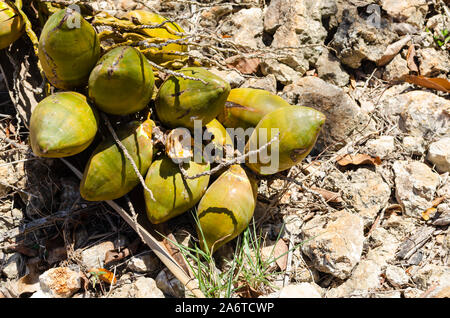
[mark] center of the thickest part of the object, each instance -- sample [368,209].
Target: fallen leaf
[244,290]
[410,59]
[104,274]
[358,159]
[280,254]
[440,84]
[328,195]
[115,256]
[30,282]
[175,251]
[428,213]
[352,81]
[392,50]
[245,66]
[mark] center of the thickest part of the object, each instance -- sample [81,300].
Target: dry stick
[125,151]
[153,243]
[177,74]
[227,163]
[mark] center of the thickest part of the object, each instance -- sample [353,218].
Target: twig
[125,151]
[177,74]
[227,163]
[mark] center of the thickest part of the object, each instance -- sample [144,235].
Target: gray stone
[59,282]
[367,193]
[245,27]
[432,274]
[410,11]
[423,114]
[295,24]
[358,39]
[415,186]
[268,83]
[439,154]
[413,145]
[11,174]
[143,287]
[342,112]
[302,290]
[232,77]
[330,69]
[334,242]
[13,266]
[283,73]
[144,263]
[433,62]
[396,275]
[396,68]
[381,147]
[169,284]
[95,255]
[364,278]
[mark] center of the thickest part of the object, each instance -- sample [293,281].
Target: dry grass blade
[159,250]
[440,84]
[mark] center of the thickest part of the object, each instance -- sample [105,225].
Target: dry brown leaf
[114,256]
[280,254]
[104,274]
[352,81]
[30,282]
[392,50]
[440,84]
[410,59]
[244,290]
[328,195]
[175,251]
[358,159]
[245,66]
[428,213]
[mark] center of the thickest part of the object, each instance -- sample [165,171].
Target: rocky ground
[365,215]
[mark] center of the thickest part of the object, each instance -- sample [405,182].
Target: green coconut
[62,125]
[69,48]
[182,101]
[11,24]
[245,107]
[122,82]
[109,174]
[173,193]
[298,129]
[226,208]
